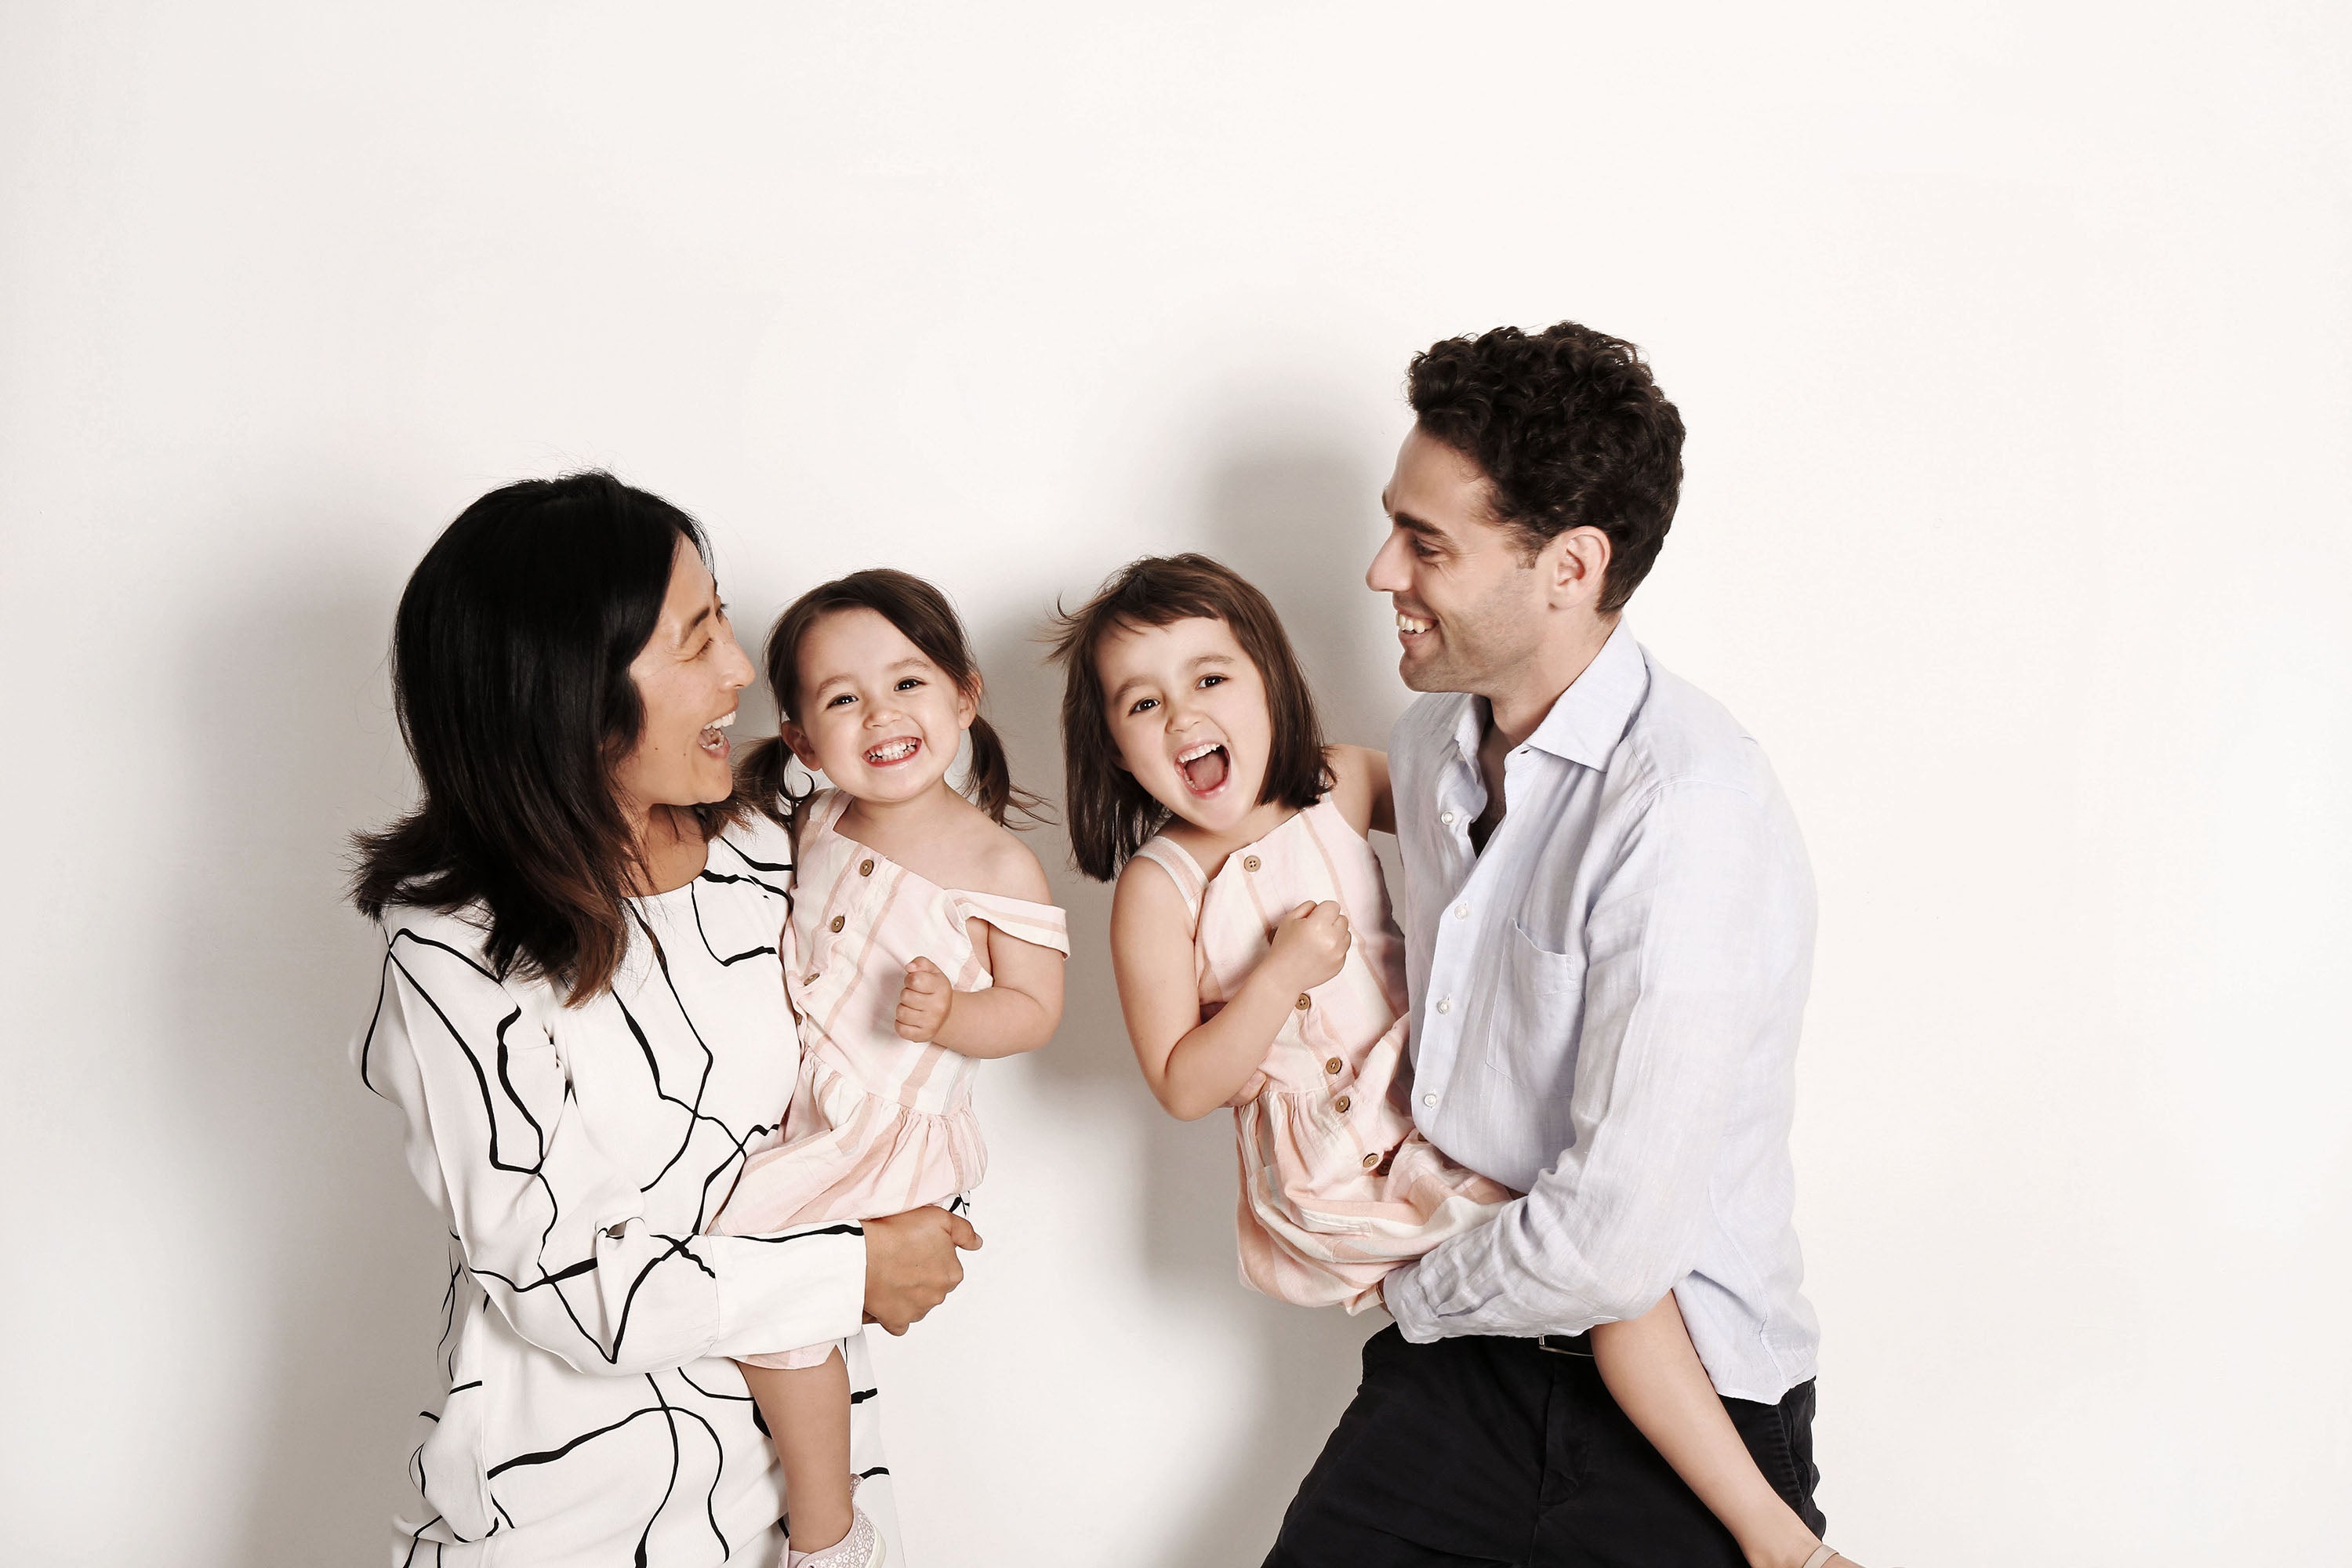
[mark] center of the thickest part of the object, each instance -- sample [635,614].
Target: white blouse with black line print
[591,1414]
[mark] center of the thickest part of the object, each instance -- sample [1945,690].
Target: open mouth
[1206,767]
[890,754]
[1411,627]
[713,738]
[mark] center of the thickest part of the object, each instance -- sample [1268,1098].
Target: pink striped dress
[1336,1187]
[878,1124]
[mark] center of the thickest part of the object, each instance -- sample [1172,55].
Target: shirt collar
[1590,718]
[1587,720]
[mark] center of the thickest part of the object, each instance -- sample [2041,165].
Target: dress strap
[1043,924]
[1182,869]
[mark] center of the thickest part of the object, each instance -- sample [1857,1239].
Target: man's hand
[924,1002]
[911,1264]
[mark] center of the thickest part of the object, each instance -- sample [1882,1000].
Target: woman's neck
[671,850]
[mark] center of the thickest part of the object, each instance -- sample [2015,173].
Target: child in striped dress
[1259,968]
[919,943]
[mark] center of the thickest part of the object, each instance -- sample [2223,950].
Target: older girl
[1258,967]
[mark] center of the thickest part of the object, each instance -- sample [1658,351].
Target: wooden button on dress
[1304,1002]
[866,868]
[1332,1066]
[1370,1161]
[1249,862]
[836,925]
[1340,1105]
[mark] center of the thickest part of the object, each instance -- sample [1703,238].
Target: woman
[583,1019]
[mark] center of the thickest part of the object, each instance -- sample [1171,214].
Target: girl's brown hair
[1111,815]
[924,617]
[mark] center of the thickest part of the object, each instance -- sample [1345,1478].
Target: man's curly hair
[1570,430]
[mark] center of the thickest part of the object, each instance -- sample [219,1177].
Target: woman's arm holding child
[1657,1380]
[1023,1005]
[1194,1067]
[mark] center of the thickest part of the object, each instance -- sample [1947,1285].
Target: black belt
[1566,1345]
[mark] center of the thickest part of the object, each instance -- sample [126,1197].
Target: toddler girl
[1258,967]
[919,942]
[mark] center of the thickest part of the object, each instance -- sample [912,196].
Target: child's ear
[967,703]
[797,739]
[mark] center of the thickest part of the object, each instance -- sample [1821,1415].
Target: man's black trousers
[1483,1451]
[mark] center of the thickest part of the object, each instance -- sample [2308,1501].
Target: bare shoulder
[1008,868]
[1146,892]
[1359,784]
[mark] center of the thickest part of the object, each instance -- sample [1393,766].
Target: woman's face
[874,713]
[689,674]
[1188,712]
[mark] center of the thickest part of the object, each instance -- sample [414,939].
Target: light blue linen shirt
[1605,1007]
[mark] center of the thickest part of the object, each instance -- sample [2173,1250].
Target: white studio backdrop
[2013,344]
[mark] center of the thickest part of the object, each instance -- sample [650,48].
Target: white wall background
[2016,346]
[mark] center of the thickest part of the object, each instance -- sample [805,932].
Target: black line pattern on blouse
[504,1156]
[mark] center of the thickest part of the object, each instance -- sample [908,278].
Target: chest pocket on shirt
[1538,1008]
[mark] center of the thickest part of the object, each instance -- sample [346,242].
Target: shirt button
[1332,1066]
[1445,1004]
[839,922]
[1340,1105]
[1249,862]
[866,868]
[1430,1101]
[1461,911]
[1446,818]
[1370,1161]
[1304,1002]
[810,978]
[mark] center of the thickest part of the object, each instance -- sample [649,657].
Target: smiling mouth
[713,738]
[890,754]
[1205,768]
[1413,626]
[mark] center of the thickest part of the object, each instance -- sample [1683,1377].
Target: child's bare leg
[807,1412]
[1657,1380]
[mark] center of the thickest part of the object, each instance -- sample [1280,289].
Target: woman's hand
[911,1264]
[1310,944]
[923,1001]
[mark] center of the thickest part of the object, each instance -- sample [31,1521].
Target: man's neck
[1513,714]
[1514,711]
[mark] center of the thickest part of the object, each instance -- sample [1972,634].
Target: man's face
[1470,602]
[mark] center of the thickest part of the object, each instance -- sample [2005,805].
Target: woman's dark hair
[1111,815]
[510,659]
[924,617]
[1570,430]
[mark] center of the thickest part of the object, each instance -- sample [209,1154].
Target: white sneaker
[861,1547]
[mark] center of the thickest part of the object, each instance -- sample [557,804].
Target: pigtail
[990,784]
[761,778]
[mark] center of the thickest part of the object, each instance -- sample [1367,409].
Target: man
[1609,923]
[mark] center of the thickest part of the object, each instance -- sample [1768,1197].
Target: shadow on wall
[275,974]
[1301,522]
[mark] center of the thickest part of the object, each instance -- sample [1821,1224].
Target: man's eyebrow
[1419,529]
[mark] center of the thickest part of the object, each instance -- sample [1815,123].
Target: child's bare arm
[1656,1379]
[1359,787]
[1023,1005]
[1194,1067]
